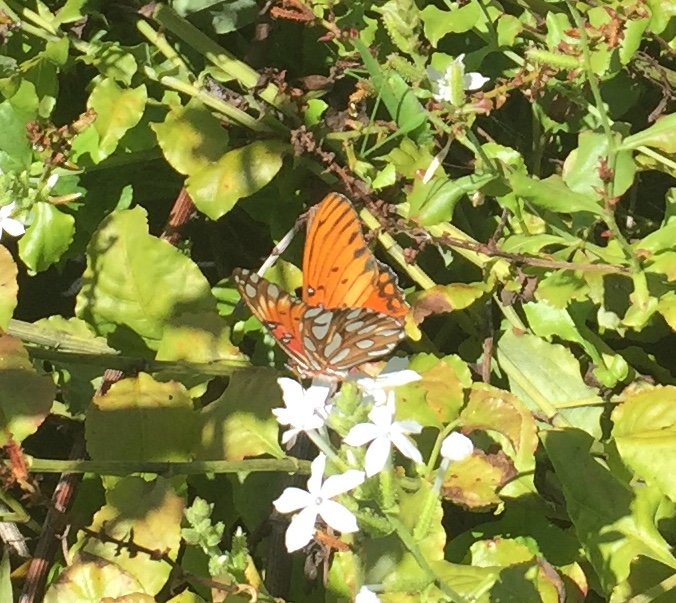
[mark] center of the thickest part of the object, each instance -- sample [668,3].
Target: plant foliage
[147,150]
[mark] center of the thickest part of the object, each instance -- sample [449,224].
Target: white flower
[316,502]
[366,596]
[456,447]
[442,83]
[383,432]
[10,225]
[306,409]
[394,374]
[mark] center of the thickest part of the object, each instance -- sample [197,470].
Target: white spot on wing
[364,344]
[333,345]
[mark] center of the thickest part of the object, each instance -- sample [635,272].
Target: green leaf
[117,111]
[553,194]
[438,23]
[508,28]
[632,39]
[398,97]
[9,288]
[547,321]
[614,523]
[522,574]
[661,135]
[140,419]
[47,238]
[26,396]
[445,298]
[232,430]
[435,201]
[582,168]
[149,514]
[546,375]
[95,580]
[191,138]
[239,173]
[645,435]
[76,381]
[15,150]
[5,577]
[436,399]
[493,409]
[127,269]
[113,61]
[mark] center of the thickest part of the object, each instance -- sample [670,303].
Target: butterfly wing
[342,338]
[279,312]
[319,341]
[339,270]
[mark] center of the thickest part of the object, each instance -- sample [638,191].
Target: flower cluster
[311,411]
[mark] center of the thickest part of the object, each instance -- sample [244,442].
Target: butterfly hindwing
[346,337]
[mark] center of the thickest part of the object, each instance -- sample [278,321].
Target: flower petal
[377,456]
[406,447]
[473,80]
[338,517]
[6,210]
[456,447]
[366,596]
[408,426]
[292,499]
[361,434]
[13,227]
[339,484]
[383,414]
[314,482]
[317,395]
[292,391]
[301,529]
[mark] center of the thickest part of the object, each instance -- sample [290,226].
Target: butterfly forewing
[338,268]
[278,311]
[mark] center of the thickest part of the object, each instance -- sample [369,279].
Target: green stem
[217,55]
[285,465]
[412,547]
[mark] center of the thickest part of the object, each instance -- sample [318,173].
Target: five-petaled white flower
[383,432]
[366,596]
[456,447]
[393,375]
[442,83]
[306,409]
[10,225]
[316,502]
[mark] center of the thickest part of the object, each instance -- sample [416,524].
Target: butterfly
[351,309]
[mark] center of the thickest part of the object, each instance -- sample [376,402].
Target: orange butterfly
[351,309]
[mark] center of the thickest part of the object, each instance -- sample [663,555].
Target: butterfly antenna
[278,249]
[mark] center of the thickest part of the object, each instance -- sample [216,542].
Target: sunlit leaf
[95,579]
[8,286]
[239,173]
[232,430]
[126,269]
[146,514]
[141,419]
[26,396]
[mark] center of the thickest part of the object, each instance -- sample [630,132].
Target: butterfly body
[351,310]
